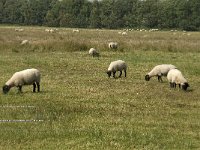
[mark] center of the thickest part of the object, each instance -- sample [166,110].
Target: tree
[95,20]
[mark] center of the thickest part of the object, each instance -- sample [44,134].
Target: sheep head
[147,77]
[6,89]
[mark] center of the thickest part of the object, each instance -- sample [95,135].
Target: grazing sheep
[115,66]
[24,42]
[113,45]
[93,52]
[124,33]
[175,77]
[159,71]
[24,77]
[50,30]
[19,29]
[47,30]
[75,30]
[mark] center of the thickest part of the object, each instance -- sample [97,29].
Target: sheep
[47,30]
[24,77]
[113,45]
[175,77]
[24,42]
[159,71]
[124,33]
[19,29]
[115,66]
[75,30]
[50,30]
[93,52]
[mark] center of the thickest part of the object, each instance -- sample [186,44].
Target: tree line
[111,14]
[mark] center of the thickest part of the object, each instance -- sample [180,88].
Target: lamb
[115,66]
[24,77]
[159,71]
[175,77]
[113,45]
[93,52]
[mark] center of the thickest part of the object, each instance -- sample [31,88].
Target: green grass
[82,109]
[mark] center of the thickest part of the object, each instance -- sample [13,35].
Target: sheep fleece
[161,69]
[25,77]
[174,75]
[118,65]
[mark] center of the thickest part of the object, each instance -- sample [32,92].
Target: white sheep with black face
[113,45]
[115,66]
[93,52]
[24,77]
[159,71]
[175,77]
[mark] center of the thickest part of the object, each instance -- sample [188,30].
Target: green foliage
[112,14]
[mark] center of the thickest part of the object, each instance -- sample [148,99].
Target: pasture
[79,107]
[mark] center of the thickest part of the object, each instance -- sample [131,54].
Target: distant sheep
[175,77]
[25,77]
[115,66]
[24,42]
[75,30]
[19,29]
[124,33]
[159,71]
[152,30]
[93,52]
[113,45]
[50,30]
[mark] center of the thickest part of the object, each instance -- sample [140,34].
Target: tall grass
[82,109]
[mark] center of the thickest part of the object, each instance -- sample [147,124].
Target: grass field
[80,108]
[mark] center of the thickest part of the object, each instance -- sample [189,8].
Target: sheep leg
[160,79]
[114,74]
[20,88]
[174,85]
[38,86]
[125,72]
[120,74]
[171,85]
[34,87]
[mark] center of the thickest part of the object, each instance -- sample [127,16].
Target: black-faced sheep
[159,71]
[24,77]
[115,66]
[175,77]
[113,45]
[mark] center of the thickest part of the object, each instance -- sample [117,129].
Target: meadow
[79,107]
